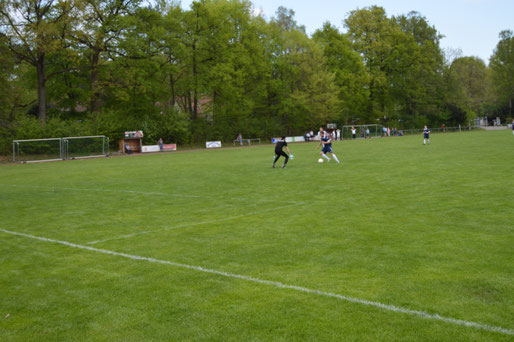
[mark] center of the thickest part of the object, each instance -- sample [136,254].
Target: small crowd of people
[387,131]
[335,134]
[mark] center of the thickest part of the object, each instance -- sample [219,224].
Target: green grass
[427,228]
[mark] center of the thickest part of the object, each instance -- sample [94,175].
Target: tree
[102,24]
[502,66]
[417,80]
[471,88]
[35,29]
[302,91]
[370,32]
[350,74]
[284,18]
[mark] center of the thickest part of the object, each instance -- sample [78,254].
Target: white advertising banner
[213,144]
[150,148]
[289,139]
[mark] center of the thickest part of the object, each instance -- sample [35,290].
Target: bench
[248,141]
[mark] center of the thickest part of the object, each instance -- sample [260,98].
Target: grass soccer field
[402,242]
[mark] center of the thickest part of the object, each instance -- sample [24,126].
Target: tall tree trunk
[41,86]
[195,85]
[94,105]
[172,86]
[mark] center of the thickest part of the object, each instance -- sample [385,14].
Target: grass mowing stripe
[193,224]
[387,307]
[103,190]
[131,192]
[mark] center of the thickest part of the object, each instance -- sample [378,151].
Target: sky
[469,25]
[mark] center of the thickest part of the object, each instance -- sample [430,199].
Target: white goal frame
[64,152]
[375,131]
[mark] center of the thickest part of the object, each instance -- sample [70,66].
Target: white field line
[192,224]
[387,307]
[136,192]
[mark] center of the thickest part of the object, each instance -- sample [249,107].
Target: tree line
[81,67]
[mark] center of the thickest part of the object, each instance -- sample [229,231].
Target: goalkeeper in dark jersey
[279,151]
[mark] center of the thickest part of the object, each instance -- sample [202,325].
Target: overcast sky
[470,25]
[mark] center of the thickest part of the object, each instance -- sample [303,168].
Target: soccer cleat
[273,165]
[284,166]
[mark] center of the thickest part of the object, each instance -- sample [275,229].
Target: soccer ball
[320,160]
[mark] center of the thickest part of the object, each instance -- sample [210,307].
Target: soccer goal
[375,131]
[85,147]
[34,150]
[39,150]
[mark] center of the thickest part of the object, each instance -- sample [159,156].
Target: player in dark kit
[426,136]
[326,141]
[279,151]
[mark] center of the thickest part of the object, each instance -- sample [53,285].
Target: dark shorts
[327,150]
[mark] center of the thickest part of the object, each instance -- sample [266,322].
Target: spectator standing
[321,133]
[161,145]
[354,132]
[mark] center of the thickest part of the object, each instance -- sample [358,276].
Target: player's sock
[335,157]
[326,157]
[424,141]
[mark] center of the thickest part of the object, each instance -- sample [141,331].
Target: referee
[279,152]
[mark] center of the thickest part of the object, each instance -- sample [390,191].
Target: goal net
[85,147]
[38,150]
[360,131]
[32,150]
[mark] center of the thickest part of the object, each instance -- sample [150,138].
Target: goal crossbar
[52,149]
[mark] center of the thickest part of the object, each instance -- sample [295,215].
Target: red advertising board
[170,147]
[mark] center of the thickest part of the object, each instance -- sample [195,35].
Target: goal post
[85,147]
[39,150]
[375,131]
[35,150]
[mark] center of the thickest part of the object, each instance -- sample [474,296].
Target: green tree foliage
[418,80]
[349,70]
[217,68]
[35,31]
[471,85]
[404,64]
[502,66]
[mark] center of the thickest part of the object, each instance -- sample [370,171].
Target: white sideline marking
[379,305]
[192,224]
